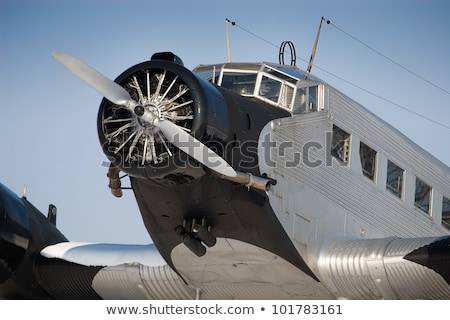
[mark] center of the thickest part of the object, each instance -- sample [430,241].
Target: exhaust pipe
[114,181]
[251,181]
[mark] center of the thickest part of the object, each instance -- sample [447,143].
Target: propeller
[119,96]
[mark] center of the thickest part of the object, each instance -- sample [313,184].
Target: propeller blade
[194,148]
[118,95]
[106,87]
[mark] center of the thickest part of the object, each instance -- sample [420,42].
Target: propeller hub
[139,110]
[146,114]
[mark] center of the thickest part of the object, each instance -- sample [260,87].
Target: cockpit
[280,85]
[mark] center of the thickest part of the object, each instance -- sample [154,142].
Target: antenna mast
[313,53]
[24,195]
[228,38]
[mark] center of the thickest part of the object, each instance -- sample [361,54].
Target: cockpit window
[270,89]
[280,75]
[242,83]
[287,94]
[306,100]
[278,85]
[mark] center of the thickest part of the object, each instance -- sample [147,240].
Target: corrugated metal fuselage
[331,210]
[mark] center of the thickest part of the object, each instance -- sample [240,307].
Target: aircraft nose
[14,232]
[14,220]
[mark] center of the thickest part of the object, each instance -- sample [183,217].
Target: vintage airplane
[255,181]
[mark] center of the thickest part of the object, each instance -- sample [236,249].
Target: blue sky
[48,117]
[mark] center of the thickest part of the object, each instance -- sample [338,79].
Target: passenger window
[340,144]
[368,158]
[394,180]
[423,196]
[446,212]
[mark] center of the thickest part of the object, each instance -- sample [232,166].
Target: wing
[38,262]
[108,271]
[230,270]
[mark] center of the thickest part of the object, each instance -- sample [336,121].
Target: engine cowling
[170,92]
[24,232]
[14,233]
